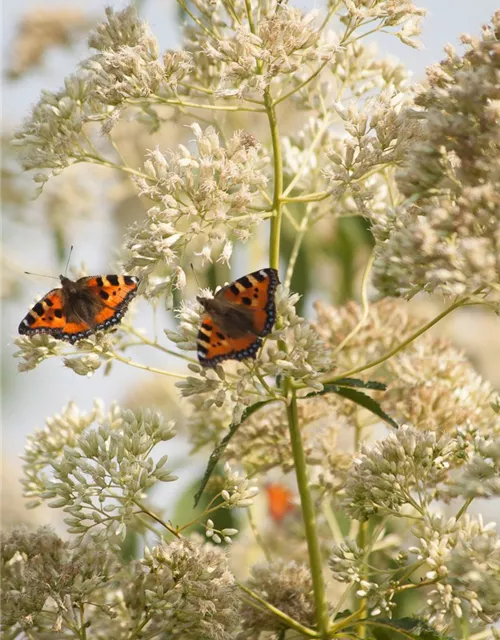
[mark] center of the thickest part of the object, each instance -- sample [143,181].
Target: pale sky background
[29,397]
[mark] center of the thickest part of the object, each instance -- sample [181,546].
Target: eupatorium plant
[287,123]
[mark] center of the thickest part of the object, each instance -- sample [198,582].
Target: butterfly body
[81,307]
[237,317]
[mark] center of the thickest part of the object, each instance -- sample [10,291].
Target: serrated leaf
[219,450]
[409,628]
[359,398]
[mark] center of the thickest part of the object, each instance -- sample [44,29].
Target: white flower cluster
[205,199]
[237,491]
[217,535]
[390,14]
[112,466]
[479,477]
[446,239]
[127,65]
[36,349]
[463,557]
[240,59]
[377,136]
[405,469]
[52,138]
[188,590]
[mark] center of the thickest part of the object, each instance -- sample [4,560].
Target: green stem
[83,628]
[303,83]
[145,367]
[365,305]
[345,622]
[464,508]
[152,515]
[402,345]
[362,540]
[112,165]
[274,248]
[251,24]
[310,197]
[290,622]
[315,560]
[155,99]
[295,249]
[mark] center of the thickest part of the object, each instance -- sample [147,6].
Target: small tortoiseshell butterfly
[81,307]
[280,501]
[237,317]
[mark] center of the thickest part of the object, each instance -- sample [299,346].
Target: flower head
[189,589]
[288,587]
[112,465]
[39,571]
[203,200]
[463,557]
[383,478]
[446,238]
[127,65]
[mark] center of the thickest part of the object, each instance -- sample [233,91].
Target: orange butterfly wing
[214,346]
[115,292]
[256,291]
[47,316]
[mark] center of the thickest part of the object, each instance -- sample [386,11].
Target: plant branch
[156,99]
[315,559]
[310,197]
[290,622]
[324,126]
[145,367]
[369,365]
[274,249]
[303,83]
[152,515]
[365,307]
[296,248]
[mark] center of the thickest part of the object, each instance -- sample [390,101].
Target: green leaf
[219,450]
[409,628]
[361,384]
[359,398]
[184,511]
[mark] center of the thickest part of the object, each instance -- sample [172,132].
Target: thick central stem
[315,560]
[274,241]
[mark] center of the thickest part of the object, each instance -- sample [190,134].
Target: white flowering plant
[288,126]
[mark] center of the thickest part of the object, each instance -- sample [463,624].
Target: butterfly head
[212,305]
[203,301]
[67,283]
[215,306]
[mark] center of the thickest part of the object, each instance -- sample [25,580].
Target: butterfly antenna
[67,261]
[195,276]
[40,275]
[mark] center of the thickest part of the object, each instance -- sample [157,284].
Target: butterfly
[280,501]
[237,317]
[81,307]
